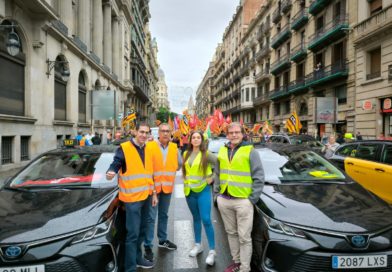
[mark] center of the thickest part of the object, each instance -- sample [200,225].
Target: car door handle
[379,169]
[350,163]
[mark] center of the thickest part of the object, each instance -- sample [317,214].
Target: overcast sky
[187,33]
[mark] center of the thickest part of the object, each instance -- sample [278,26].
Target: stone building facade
[54,54]
[162,93]
[327,60]
[204,94]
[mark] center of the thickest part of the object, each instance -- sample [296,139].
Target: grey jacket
[257,174]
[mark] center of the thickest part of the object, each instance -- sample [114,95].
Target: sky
[187,33]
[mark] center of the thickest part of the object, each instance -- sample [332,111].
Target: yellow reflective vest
[235,175]
[195,180]
[136,183]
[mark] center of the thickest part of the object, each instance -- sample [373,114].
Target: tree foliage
[163,115]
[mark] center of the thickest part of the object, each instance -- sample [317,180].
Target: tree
[163,115]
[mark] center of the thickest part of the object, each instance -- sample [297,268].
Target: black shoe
[168,245]
[148,254]
[145,264]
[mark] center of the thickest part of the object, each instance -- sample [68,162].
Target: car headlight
[94,232]
[278,226]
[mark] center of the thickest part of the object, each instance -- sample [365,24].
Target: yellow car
[370,164]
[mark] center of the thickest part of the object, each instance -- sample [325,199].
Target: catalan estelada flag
[293,124]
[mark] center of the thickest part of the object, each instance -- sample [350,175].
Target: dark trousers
[135,222]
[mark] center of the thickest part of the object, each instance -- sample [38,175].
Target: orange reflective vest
[136,183]
[165,173]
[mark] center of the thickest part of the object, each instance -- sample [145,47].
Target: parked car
[313,217]
[60,213]
[295,139]
[215,144]
[369,163]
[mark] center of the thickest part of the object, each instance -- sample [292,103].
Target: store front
[386,111]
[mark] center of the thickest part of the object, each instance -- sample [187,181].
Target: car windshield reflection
[299,166]
[66,170]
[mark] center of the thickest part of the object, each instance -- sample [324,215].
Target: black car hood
[335,207]
[35,215]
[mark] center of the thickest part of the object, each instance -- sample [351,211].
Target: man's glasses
[165,131]
[234,132]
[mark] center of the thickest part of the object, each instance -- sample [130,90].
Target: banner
[129,118]
[103,103]
[326,110]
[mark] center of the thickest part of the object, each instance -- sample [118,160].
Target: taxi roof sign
[69,142]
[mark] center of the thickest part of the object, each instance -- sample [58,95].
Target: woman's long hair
[203,150]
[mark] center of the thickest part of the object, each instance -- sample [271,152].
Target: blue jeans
[163,209]
[135,223]
[200,206]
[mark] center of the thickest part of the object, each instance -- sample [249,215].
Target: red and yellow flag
[293,124]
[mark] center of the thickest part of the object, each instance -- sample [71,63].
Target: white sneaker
[210,260]
[196,250]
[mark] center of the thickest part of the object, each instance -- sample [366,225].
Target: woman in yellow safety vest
[197,178]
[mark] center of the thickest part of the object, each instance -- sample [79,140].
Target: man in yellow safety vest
[239,184]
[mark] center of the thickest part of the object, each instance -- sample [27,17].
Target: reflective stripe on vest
[195,180]
[164,173]
[235,175]
[136,183]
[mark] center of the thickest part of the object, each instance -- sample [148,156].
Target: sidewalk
[6,174]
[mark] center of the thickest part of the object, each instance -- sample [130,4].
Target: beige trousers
[237,216]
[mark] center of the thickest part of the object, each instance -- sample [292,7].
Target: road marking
[179,191]
[183,237]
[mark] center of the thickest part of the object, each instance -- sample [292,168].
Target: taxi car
[60,213]
[312,217]
[369,163]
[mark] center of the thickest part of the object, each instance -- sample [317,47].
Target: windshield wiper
[18,189]
[314,181]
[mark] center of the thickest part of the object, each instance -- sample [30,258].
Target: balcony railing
[281,64]
[376,24]
[267,27]
[336,71]
[276,15]
[263,75]
[280,92]
[373,75]
[281,37]
[261,99]
[333,31]
[264,51]
[246,104]
[299,20]
[286,6]
[316,6]
[297,85]
[298,52]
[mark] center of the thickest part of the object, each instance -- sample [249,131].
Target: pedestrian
[330,147]
[339,138]
[108,137]
[359,136]
[239,184]
[348,137]
[197,172]
[96,140]
[134,162]
[166,161]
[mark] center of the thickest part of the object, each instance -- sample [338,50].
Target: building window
[375,6]
[303,109]
[82,98]
[24,148]
[374,64]
[247,94]
[277,109]
[12,76]
[6,149]
[253,93]
[341,94]
[60,91]
[287,107]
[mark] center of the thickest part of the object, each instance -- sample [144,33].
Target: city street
[180,230]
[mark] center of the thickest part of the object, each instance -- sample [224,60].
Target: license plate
[363,261]
[31,268]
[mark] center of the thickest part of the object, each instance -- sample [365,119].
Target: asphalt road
[180,231]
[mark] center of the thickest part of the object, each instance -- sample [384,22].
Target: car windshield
[299,166]
[215,145]
[68,169]
[308,141]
